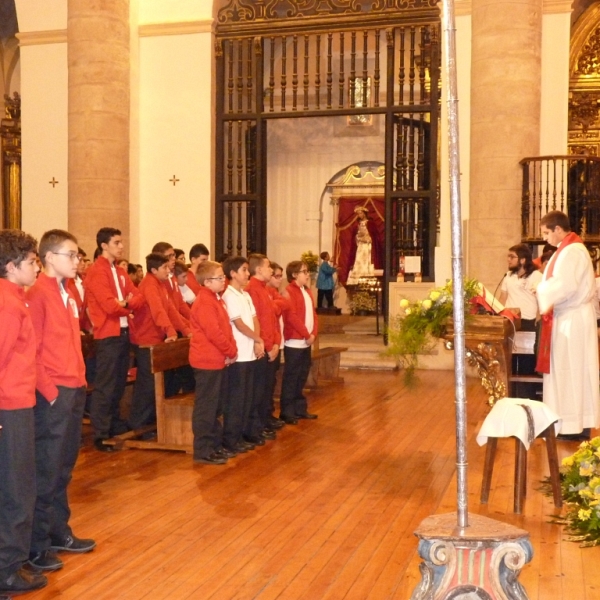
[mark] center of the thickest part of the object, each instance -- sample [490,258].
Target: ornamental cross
[53,182]
[174,180]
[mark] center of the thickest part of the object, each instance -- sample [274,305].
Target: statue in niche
[363,265]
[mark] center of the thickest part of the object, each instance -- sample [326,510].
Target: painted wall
[175,139]
[303,155]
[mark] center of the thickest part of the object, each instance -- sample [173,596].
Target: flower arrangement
[580,483]
[362,301]
[311,260]
[423,322]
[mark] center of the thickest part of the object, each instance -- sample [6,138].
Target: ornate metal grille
[338,57]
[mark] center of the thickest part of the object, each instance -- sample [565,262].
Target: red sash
[545,343]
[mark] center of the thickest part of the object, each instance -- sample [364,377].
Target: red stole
[545,344]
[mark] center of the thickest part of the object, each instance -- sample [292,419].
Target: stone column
[99,74]
[505,126]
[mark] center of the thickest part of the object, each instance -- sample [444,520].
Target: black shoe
[289,420]
[247,445]
[102,447]
[70,543]
[239,449]
[211,459]
[23,580]
[254,440]
[45,561]
[307,416]
[268,434]
[274,423]
[225,453]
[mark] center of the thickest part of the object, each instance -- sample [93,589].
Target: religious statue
[363,265]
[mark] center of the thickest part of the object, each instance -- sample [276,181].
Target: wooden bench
[174,414]
[325,366]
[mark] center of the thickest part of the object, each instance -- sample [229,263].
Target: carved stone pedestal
[480,562]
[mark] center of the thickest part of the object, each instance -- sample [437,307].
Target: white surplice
[571,388]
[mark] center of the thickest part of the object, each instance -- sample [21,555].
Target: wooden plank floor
[325,512]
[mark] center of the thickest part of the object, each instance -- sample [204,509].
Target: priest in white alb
[568,349]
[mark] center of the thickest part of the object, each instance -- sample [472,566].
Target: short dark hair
[198,250]
[276,266]
[155,260]
[180,267]
[256,260]
[161,247]
[178,252]
[81,251]
[294,268]
[523,251]
[554,219]
[132,269]
[15,246]
[51,242]
[207,269]
[233,263]
[105,234]
[324,254]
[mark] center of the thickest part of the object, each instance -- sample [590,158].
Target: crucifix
[53,182]
[174,180]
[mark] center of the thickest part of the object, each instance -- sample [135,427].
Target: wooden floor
[325,512]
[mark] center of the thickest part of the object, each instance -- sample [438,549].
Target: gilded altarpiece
[10,163]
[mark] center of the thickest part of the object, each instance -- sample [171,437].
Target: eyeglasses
[72,255]
[512,256]
[222,278]
[303,271]
[278,276]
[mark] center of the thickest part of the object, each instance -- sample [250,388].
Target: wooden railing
[569,183]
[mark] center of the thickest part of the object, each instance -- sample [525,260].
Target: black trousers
[57,441]
[17,487]
[256,420]
[270,380]
[324,295]
[295,373]
[112,364]
[236,407]
[205,423]
[143,404]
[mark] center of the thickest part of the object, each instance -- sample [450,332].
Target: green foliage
[580,486]
[423,322]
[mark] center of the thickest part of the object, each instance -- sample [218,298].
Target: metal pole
[449,53]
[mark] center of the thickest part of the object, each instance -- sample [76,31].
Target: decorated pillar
[99,88]
[505,126]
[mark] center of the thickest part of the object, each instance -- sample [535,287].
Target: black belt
[124,330]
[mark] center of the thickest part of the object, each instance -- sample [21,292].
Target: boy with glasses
[212,349]
[60,399]
[300,331]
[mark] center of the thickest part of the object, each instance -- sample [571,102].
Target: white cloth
[309,321]
[113,269]
[79,286]
[508,419]
[240,306]
[187,294]
[571,387]
[521,293]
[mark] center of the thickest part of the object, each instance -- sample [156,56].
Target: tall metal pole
[449,45]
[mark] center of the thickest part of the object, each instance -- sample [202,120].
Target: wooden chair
[525,420]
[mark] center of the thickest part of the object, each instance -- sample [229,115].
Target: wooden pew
[174,414]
